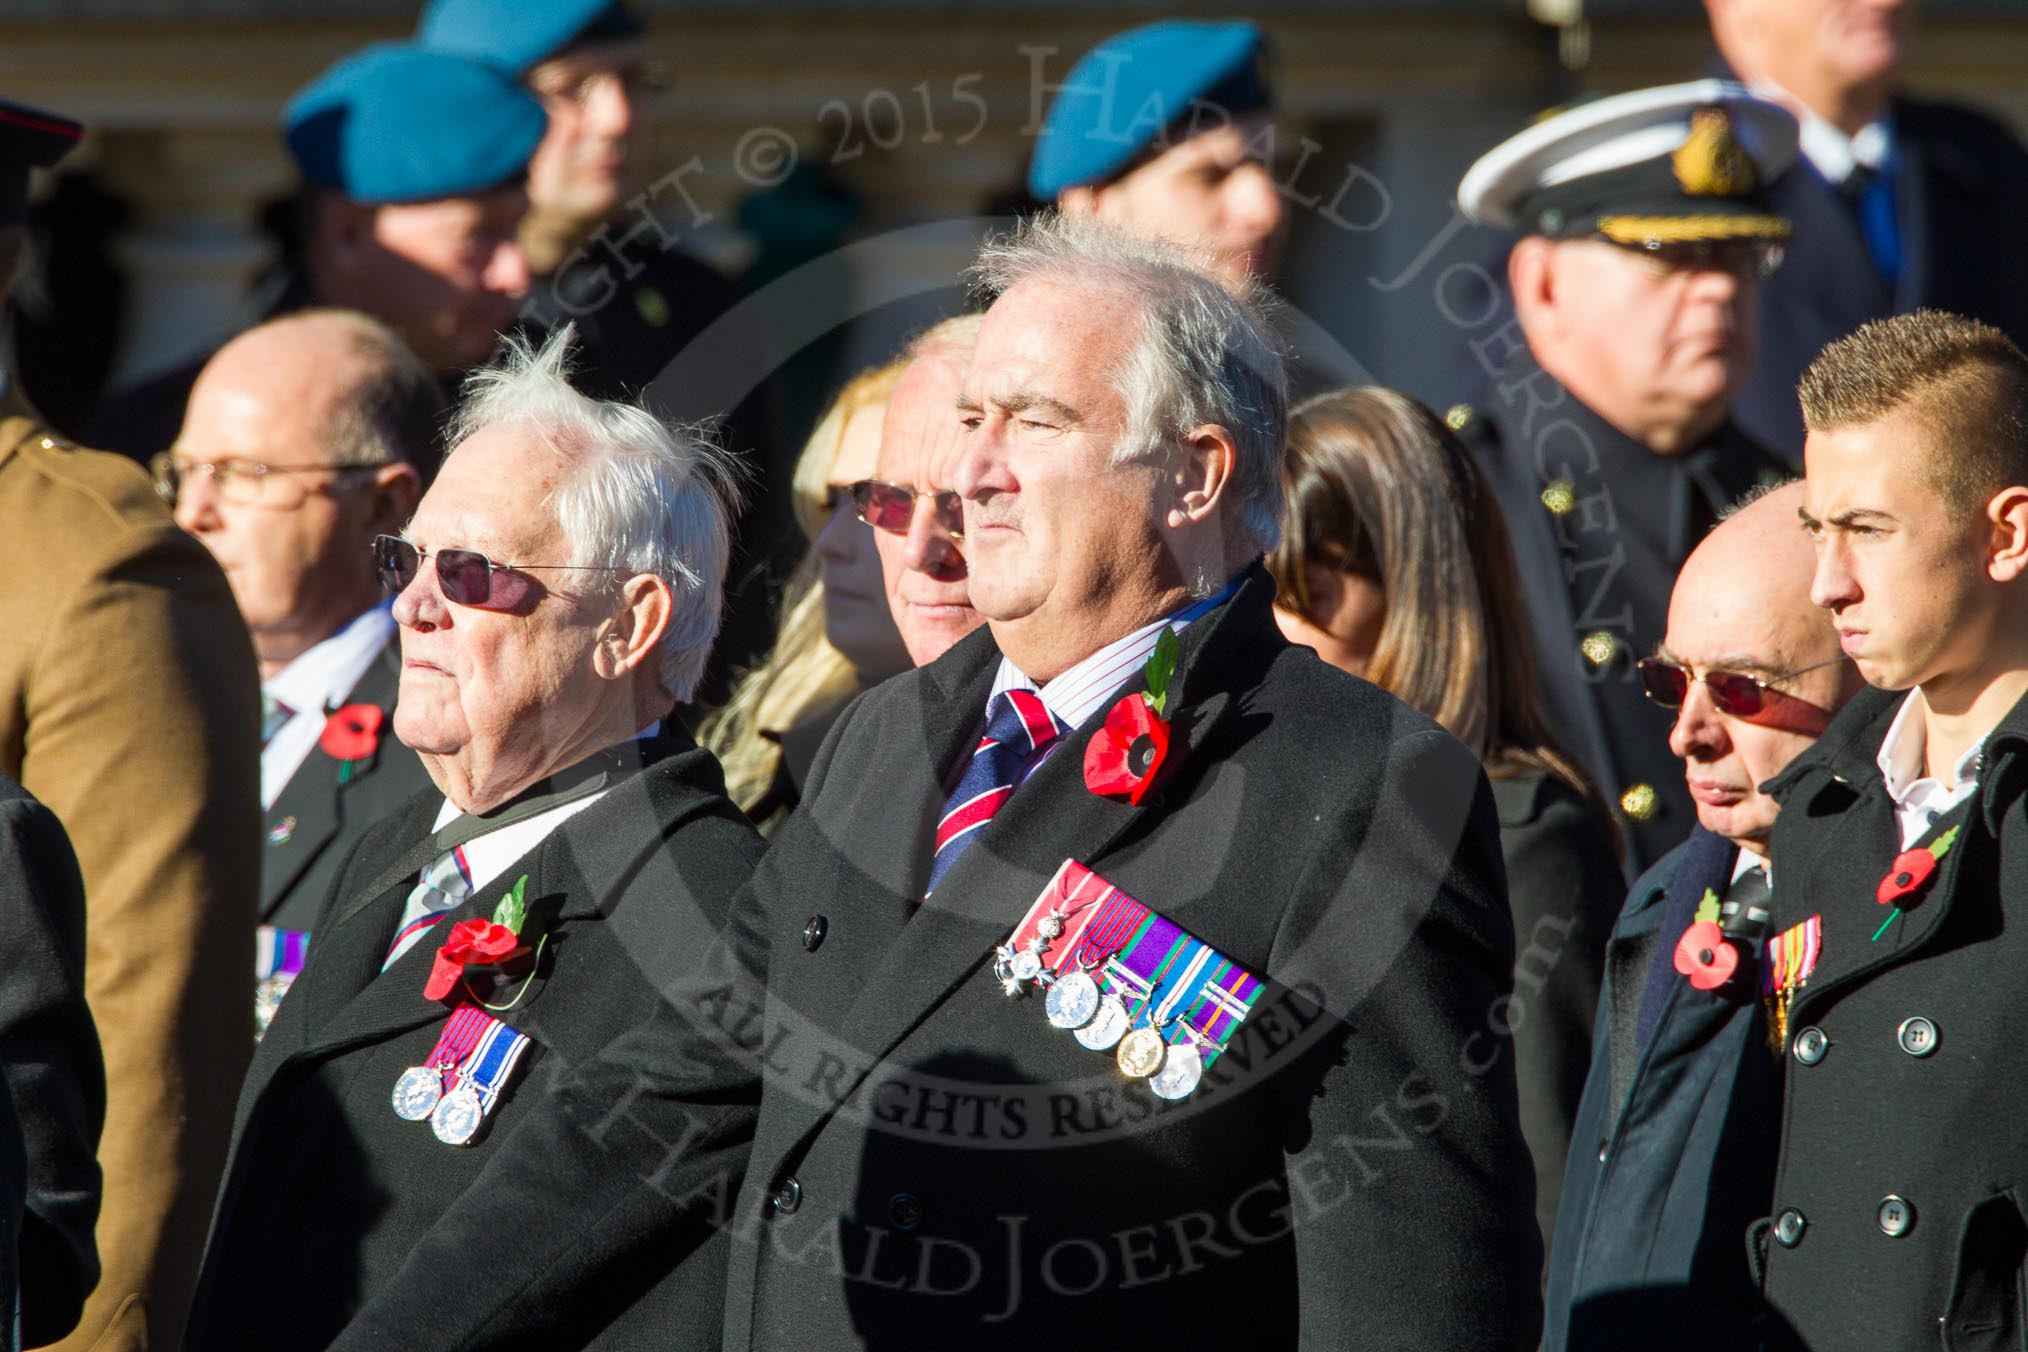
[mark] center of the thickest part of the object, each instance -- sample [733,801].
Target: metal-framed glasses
[465,576]
[891,507]
[244,483]
[1734,692]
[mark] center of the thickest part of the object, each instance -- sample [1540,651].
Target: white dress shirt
[1077,693]
[320,678]
[1921,798]
[1829,150]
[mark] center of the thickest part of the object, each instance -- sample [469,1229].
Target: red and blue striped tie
[1018,727]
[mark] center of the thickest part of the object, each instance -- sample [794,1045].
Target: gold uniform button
[652,306]
[1599,647]
[1560,497]
[1640,802]
[1458,417]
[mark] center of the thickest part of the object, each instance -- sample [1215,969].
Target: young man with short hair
[1894,980]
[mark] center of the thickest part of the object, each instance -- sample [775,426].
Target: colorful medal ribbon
[1791,957]
[278,960]
[1184,972]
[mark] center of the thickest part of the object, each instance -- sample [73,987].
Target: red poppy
[1706,956]
[473,943]
[1910,872]
[353,732]
[1126,753]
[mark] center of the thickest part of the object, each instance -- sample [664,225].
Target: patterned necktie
[1018,726]
[274,714]
[446,883]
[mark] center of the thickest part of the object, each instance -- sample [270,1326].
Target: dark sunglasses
[891,507]
[1733,692]
[465,576]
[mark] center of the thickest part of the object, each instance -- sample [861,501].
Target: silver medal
[456,1119]
[1107,1026]
[416,1093]
[1181,1069]
[1072,1000]
[1026,966]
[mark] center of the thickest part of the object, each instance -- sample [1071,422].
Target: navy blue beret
[1133,87]
[394,123]
[29,139]
[517,35]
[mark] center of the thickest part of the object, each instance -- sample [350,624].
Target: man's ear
[634,635]
[1531,275]
[343,232]
[397,488]
[1204,474]
[2007,555]
[1078,201]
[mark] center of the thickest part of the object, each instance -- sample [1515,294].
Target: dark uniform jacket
[935,1163]
[52,1082]
[323,810]
[1601,525]
[1960,184]
[1672,1155]
[1563,882]
[1899,1201]
[333,1208]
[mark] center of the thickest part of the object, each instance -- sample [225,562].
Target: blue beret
[1131,88]
[517,35]
[394,123]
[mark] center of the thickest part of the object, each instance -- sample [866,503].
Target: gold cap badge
[1711,162]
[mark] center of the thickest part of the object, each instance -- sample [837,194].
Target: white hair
[642,496]
[1206,351]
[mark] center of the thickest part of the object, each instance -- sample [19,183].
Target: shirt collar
[1830,151]
[1902,753]
[1079,692]
[325,673]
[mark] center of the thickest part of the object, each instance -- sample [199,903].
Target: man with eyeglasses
[1606,431]
[128,707]
[1672,1151]
[485,947]
[305,438]
[917,519]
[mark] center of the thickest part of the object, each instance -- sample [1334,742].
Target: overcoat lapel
[1051,818]
[314,799]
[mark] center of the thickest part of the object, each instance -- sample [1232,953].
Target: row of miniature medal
[457,1086]
[1099,1018]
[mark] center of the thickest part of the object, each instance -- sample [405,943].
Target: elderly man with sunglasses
[483,947]
[917,520]
[1672,1154]
[304,438]
[1606,428]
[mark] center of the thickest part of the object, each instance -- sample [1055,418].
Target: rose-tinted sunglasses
[465,576]
[891,507]
[1734,692]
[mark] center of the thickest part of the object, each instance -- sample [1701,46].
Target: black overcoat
[323,810]
[1900,1208]
[52,1081]
[333,1209]
[936,1165]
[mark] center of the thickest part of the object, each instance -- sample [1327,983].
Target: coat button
[1897,1216]
[788,1196]
[813,933]
[1789,1227]
[905,1210]
[1811,1044]
[1603,1146]
[1917,1036]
